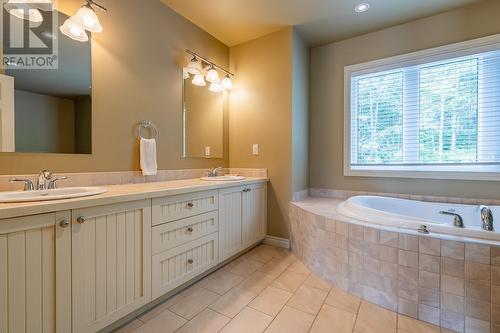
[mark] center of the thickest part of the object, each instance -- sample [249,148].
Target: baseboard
[277,241]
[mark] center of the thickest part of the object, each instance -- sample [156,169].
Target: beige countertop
[121,193]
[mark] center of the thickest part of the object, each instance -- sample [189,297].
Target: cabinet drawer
[185,205]
[169,235]
[176,266]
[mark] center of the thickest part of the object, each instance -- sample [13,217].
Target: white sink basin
[223,178]
[62,193]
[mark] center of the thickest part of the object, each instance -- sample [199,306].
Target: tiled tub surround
[449,282]
[127,177]
[344,194]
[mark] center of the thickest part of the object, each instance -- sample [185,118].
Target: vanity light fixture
[196,66]
[212,75]
[226,83]
[74,31]
[87,18]
[84,19]
[215,87]
[362,7]
[199,80]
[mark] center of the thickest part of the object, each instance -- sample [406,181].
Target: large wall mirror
[203,122]
[47,110]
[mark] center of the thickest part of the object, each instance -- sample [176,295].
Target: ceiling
[319,21]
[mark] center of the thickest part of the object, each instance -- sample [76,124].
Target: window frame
[437,54]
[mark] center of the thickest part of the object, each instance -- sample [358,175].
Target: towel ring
[146,125]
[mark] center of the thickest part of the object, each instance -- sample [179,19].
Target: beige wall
[327,105]
[300,114]
[136,75]
[260,112]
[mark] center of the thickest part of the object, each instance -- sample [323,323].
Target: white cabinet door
[111,251]
[35,274]
[230,222]
[254,214]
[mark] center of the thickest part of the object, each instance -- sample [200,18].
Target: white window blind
[425,112]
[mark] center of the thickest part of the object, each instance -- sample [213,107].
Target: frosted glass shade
[87,18]
[199,80]
[226,83]
[212,75]
[74,31]
[194,67]
[215,87]
[185,73]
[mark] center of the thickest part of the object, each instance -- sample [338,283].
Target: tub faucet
[486,218]
[457,221]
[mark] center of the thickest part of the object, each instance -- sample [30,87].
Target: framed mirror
[46,110]
[203,122]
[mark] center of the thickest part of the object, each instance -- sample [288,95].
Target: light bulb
[212,75]
[199,80]
[362,7]
[194,67]
[87,18]
[74,31]
[226,83]
[215,87]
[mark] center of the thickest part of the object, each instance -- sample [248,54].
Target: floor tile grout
[288,261]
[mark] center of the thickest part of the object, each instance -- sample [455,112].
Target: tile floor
[269,290]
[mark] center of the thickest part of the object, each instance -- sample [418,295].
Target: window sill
[483,172]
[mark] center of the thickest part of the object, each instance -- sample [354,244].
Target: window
[429,114]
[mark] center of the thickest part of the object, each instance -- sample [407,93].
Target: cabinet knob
[190,205]
[190,261]
[81,220]
[190,229]
[64,223]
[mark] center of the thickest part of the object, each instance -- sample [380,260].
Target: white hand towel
[148,157]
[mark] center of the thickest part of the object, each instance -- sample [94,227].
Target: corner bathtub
[370,247]
[413,215]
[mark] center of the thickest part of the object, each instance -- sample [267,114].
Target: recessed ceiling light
[362,7]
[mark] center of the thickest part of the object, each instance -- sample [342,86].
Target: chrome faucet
[28,183]
[215,172]
[42,181]
[486,218]
[458,221]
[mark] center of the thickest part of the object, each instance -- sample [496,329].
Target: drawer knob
[190,205]
[64,223]
[81,220]
[190,229]
[190,261]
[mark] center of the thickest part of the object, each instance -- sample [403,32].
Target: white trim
[277,241]
[430,55]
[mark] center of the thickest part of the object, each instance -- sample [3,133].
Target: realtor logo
[29,34]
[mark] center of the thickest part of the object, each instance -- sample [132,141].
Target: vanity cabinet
[185,238]
[81,270]
[242,218]
[254,211]
[35,273]
[111,261]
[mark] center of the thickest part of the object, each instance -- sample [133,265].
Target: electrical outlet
[207,151]
[255,149]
